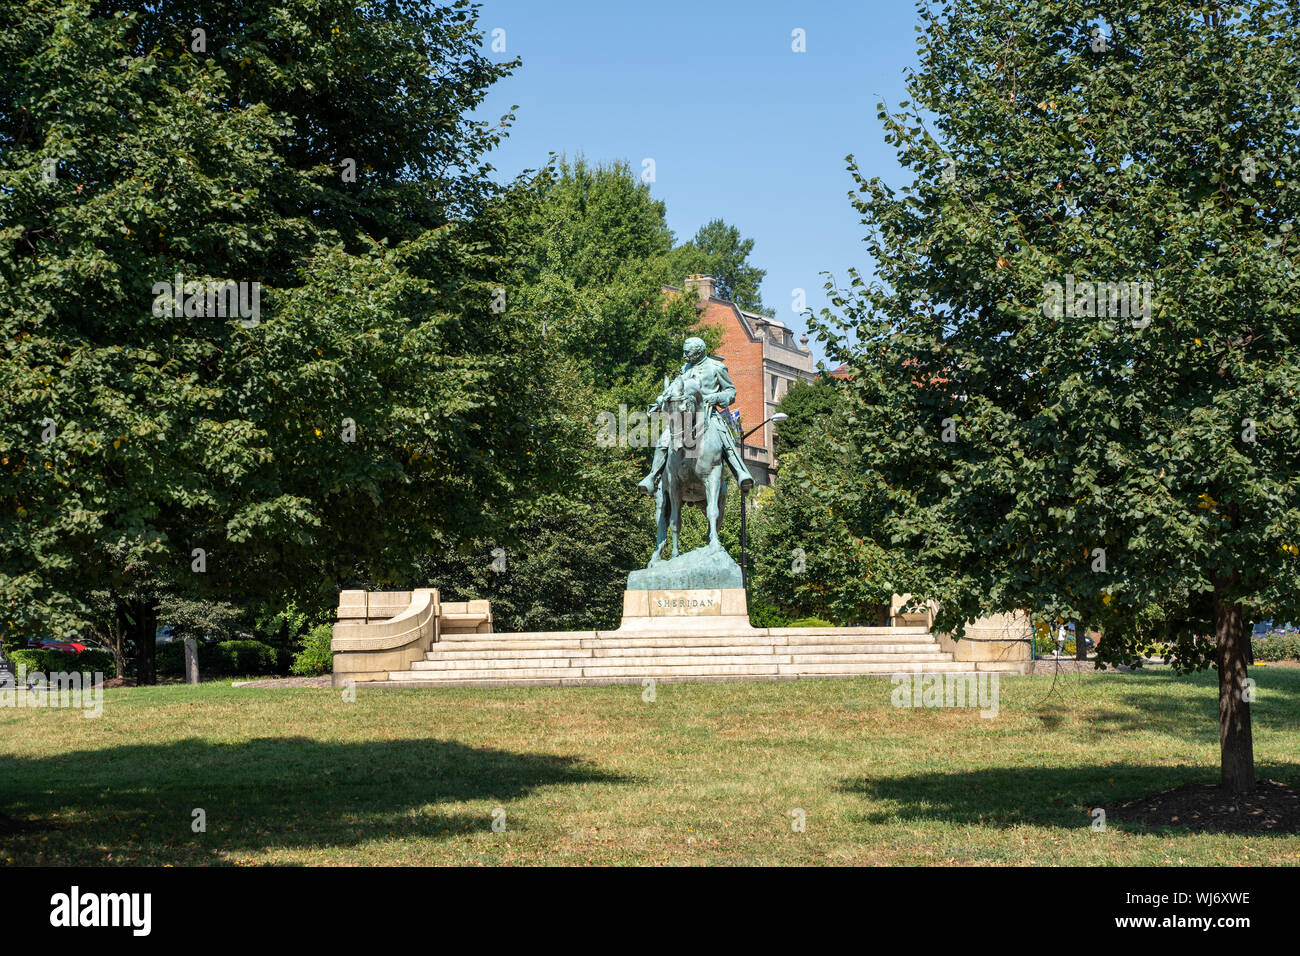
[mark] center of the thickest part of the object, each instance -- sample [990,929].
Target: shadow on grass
[1037,796]
[1160,703]
[136,802]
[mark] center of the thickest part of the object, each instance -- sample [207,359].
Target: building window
[775,396]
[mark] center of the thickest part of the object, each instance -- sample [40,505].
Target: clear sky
[738,124]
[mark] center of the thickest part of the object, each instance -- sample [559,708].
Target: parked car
[72,647]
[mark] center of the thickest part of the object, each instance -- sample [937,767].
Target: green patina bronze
[689,469]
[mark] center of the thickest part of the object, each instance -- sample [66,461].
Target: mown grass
[706,774]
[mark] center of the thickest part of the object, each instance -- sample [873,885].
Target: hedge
[67,662]
[1280,647]
[765,615]
[169,659]
[241,658]
[238,658]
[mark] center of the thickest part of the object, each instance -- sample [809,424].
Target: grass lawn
[708,773]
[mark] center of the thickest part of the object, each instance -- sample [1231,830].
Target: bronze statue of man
[715,383]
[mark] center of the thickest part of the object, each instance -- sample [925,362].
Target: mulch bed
[1272,807]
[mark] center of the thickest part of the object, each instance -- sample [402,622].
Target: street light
[744,531]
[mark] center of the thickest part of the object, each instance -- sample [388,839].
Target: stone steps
[721,663]
[672,654]
[665,660]
[666,672]
[673,632]
[767,651]
[671,640]
[595,681]
[589,661]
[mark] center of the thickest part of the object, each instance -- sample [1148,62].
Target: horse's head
[686,395]
[684,400]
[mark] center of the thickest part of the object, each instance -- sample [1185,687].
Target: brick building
[764,361]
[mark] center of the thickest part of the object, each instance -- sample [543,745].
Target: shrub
[764,615]
[811,622]
[284,627]
[315,658]
[170,659]
[1277,648]
[238,658]
[26,660]
[50,661]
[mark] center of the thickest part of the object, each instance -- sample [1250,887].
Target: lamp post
[744,530]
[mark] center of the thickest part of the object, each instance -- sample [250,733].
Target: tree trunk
[1081,641]
[118,631]
[144,632]
[1231,638]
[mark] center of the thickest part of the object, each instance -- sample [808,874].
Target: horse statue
[693,471]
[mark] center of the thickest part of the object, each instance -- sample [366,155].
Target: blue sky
[738,125]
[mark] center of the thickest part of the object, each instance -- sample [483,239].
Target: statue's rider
[715,384]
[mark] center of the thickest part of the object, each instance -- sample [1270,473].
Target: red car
[72,647]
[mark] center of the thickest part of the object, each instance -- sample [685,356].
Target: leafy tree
[562,563]
[592,280]
[811,407]
[110,625]
[1031,446]
[720,251]
[809,552]
[202,620]
[148,451]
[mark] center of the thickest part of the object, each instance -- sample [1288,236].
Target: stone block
[685,603]
[636,604]
[997,638]
[352,605]
[734,603]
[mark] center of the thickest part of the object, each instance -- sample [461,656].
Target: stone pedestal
[686,611]
[702,569]
[996,642]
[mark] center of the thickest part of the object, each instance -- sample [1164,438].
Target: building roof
[753,323]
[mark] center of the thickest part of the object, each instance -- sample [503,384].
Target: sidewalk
[1068,665]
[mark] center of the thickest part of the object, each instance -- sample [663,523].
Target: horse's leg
[665,503]
[677,517]
[714,480]
[722,496]
[711,505]
[668,507]
[661,518]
